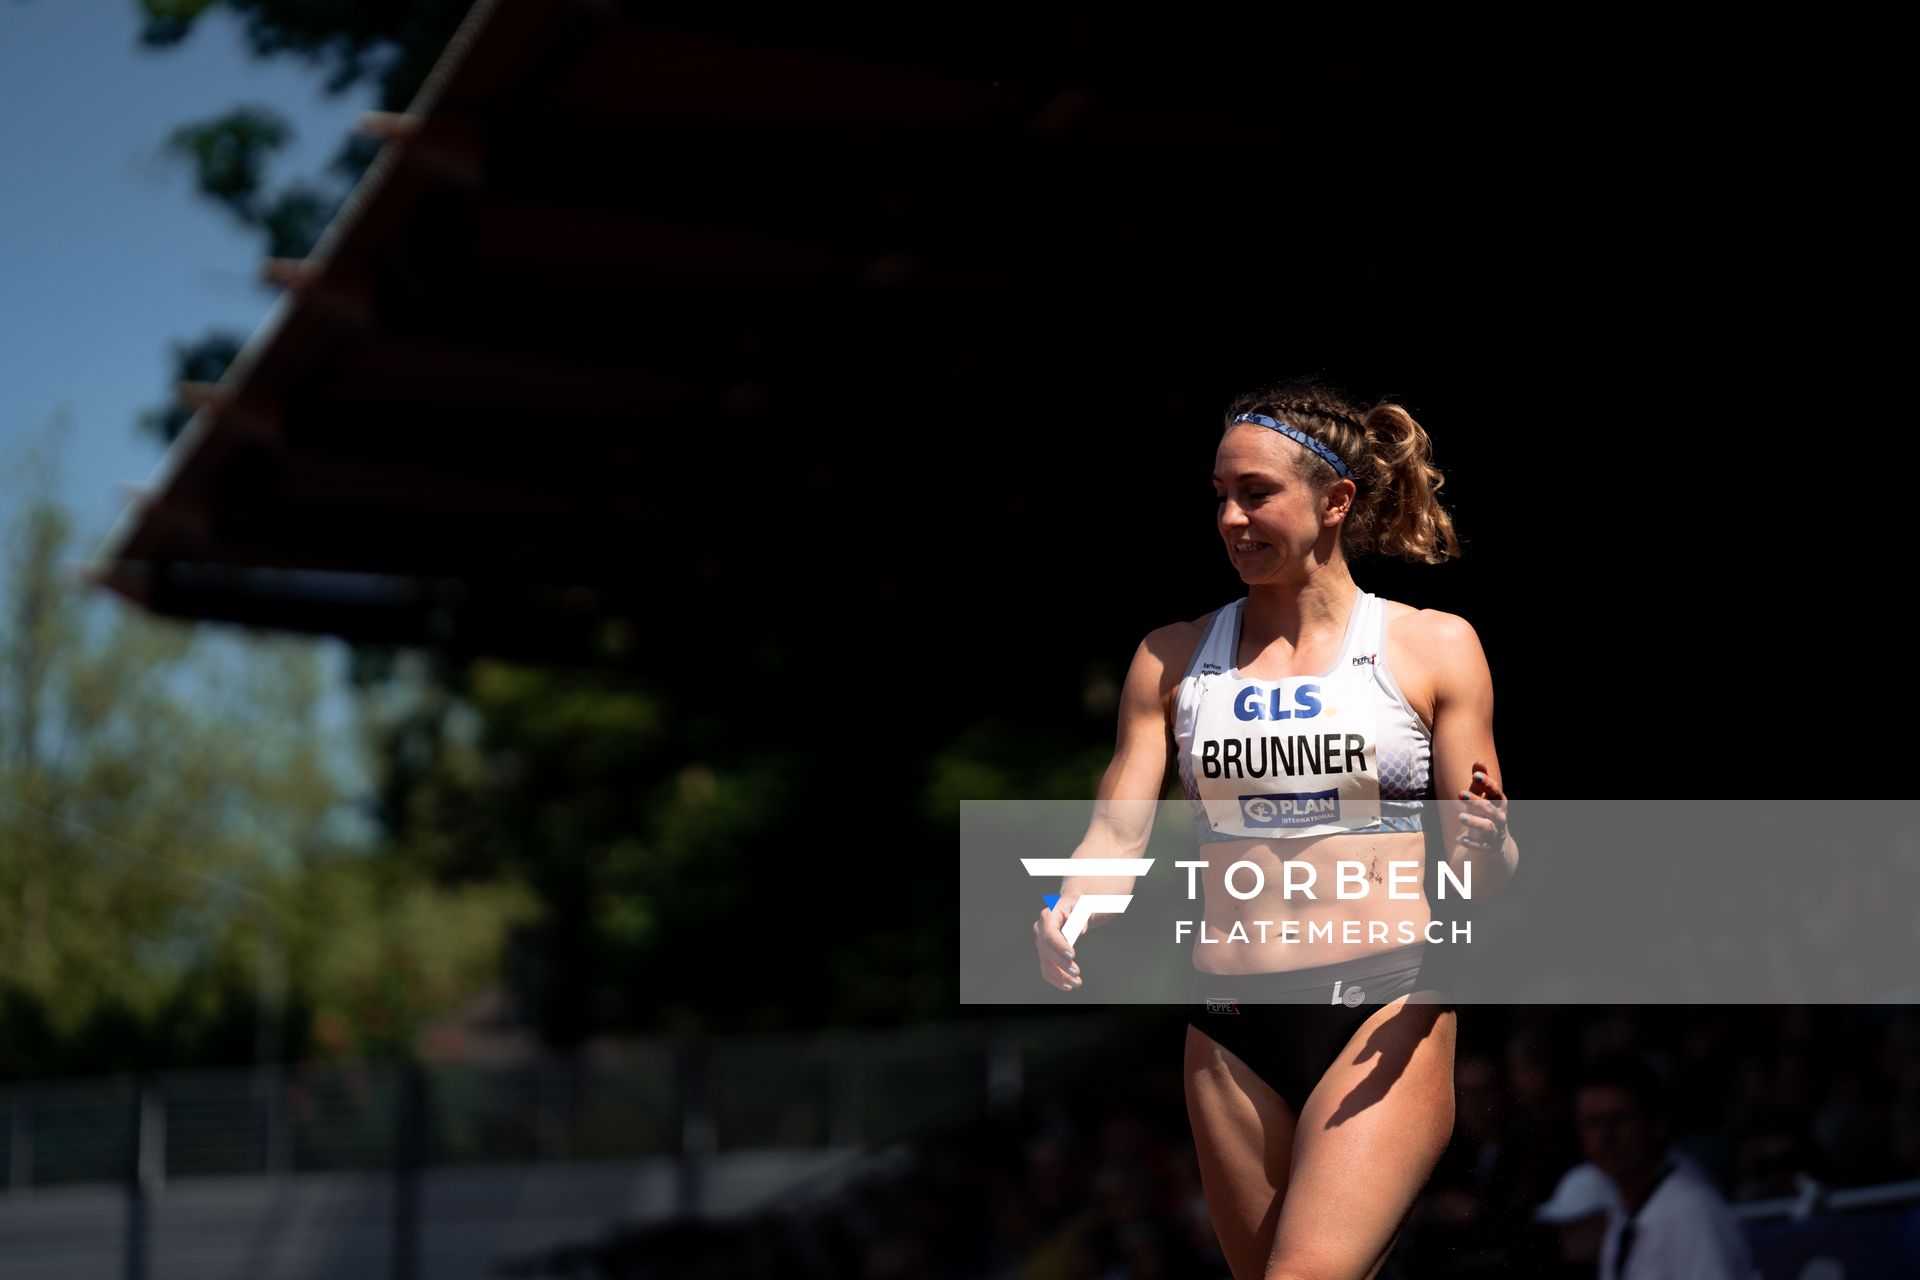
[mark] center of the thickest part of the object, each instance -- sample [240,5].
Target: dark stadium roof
[636,316]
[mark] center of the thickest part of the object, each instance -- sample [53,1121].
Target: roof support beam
[451,150]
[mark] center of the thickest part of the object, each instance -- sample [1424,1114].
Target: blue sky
[108,256]
[106,253]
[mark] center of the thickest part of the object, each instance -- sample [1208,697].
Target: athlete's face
[1272,521]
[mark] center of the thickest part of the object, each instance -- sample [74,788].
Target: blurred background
[516,516]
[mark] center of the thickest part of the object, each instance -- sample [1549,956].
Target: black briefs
[1291,1042]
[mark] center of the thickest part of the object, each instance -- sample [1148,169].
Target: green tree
[168,806]
[699,860]
[389,43]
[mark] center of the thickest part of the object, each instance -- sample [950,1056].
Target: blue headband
[1295,433]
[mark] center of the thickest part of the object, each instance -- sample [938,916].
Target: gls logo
[1255,703]
[1089,903]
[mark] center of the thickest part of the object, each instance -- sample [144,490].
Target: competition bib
[1288,757]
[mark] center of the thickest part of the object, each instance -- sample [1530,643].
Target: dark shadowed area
[728,443]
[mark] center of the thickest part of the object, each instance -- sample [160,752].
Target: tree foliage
[203,360]
[700,858]
[389,43]
[168,807]
[228,153]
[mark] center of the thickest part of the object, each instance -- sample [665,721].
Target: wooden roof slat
[527,241]
[601,261]
[399,371]
[662,72]
[451,149]
[341,295]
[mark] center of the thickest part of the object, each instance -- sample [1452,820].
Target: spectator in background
[1543,1145]
[1670,1223]
[1459,1214]
[1578,1213]
[1771,1156]
[1906,1135]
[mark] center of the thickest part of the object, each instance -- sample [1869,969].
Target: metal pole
[698,1136]
[146,1171]
[847,1127]
[20,1146]
[268,1073]
[556,1087]
[409,1141]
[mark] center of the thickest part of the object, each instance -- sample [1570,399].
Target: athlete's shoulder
[1172,646]
[1190,632]
[1166,652]
[1437,656]
[1431,629]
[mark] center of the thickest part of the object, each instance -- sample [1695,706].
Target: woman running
[1312,721]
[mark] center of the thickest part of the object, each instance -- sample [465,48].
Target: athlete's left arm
[1473,825]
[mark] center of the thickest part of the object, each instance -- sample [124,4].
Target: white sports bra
[1338,753]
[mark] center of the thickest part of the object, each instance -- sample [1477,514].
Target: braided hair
[1397,511]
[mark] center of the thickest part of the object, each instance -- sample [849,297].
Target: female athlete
[1313,725]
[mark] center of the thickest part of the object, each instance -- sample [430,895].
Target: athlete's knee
[1290,1266]
[1297,1259]
[1283,1271]
[1284,1263]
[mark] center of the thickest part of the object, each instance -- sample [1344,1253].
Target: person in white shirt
[1669,1223]
[1579,1210]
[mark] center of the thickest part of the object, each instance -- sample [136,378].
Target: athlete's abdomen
[1298,918]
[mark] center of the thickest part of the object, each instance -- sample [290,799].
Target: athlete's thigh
[1243,1133]
[1368,1138]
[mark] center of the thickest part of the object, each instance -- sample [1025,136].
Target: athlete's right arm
[1129,791]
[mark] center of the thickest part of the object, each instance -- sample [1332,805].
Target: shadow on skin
[1392,1043]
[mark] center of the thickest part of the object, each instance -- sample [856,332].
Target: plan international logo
[1298,809]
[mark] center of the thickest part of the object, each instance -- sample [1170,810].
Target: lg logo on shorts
[1351,998]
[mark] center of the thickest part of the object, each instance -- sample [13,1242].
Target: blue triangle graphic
[1051,899]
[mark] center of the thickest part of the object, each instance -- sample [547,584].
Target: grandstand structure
[643,317]
[633,308]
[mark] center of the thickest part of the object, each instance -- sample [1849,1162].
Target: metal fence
[605,1101]
[376,1169]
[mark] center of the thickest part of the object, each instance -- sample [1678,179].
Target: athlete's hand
[1483,813]
[1057,966]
